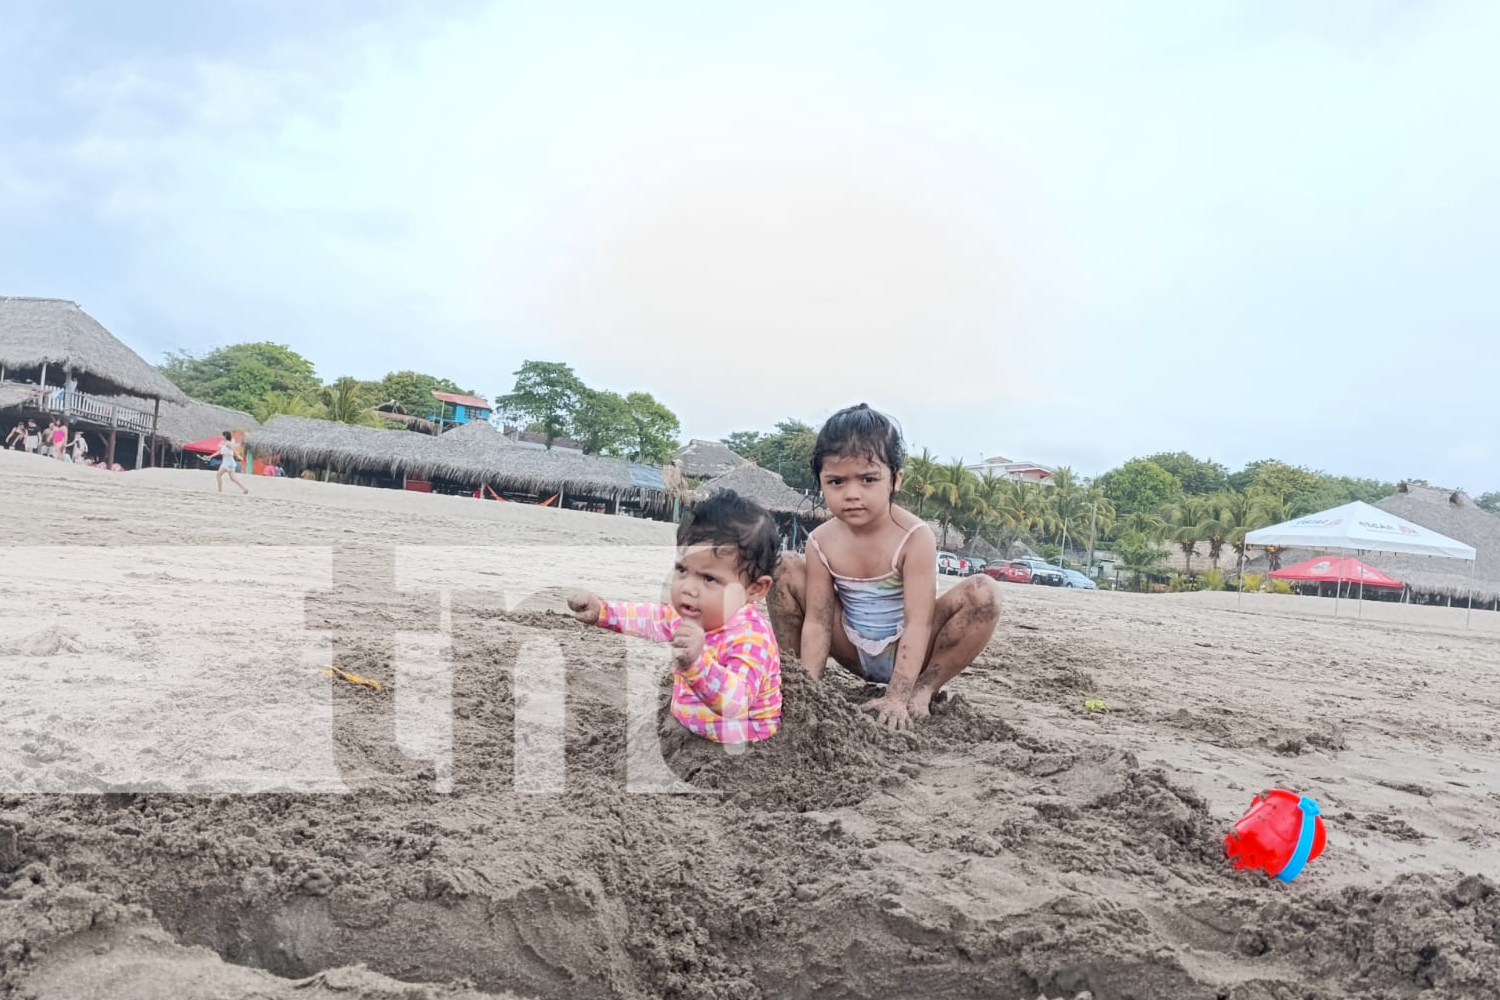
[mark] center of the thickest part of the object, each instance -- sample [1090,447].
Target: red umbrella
[1332,569]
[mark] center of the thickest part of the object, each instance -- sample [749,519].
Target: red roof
[461,400]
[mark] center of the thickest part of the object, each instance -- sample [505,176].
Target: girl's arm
[817,617]
[919,578]
[657,622]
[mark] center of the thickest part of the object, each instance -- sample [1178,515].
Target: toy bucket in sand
[1280,833]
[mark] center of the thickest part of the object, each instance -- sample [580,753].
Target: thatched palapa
[472,453]
[1451,513]
[707,459]
[766,488]
[58,334]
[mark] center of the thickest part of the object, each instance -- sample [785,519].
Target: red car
[1010,572]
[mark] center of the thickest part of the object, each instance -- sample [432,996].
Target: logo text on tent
[1377,526]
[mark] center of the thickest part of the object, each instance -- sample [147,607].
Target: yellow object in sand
[345,675]
[1096,705]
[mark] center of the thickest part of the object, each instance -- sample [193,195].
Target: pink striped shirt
[733,693]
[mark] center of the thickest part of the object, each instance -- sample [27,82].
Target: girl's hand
[687,644]
[891,713]
[585,607]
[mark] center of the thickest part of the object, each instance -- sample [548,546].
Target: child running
[726,683]
[228,463]
[867,590]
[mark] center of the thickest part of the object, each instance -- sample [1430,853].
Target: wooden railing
[91,408]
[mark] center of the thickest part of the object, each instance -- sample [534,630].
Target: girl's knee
[790,571]
[982,594]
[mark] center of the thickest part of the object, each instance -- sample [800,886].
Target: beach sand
[189,807]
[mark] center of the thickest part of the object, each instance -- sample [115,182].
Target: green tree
[743,443]
[348,400]
[1140,485]
[1196,475]
[917,486]
[603,424]
[1268,510]
[547,393]
[654,429]
[289,404]
[240,376]
[1306,490]
[952,494]
[1490,502]
[1141,557]
[1185,520]
[413,391]
[788,452]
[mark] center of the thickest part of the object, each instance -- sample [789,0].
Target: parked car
[972,566]
[1043,572]
[1008,571]
[948,563]
[1073,578]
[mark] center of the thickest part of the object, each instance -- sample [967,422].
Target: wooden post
[109,451]
[155,416]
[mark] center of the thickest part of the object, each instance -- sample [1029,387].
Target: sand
[190,807]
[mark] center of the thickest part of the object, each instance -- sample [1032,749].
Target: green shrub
[1213,579]
[1250,581]
[1281,586]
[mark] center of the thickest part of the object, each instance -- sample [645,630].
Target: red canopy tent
[208,446]
[1336,569]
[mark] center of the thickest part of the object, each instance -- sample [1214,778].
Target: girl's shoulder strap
[812,543]
[896,557]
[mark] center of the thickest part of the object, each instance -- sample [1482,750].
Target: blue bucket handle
[1298,860]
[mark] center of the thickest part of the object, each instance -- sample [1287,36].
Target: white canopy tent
[1363,528]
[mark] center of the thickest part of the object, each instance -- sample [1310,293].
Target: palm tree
[1183,519]
[1101,514]
[1270,510]
[984,509]
[953,489]
[1139,556]
[917,485]
[1215,526]
[1022,506]
[1069,504]
[290,404]
[1238,513]
[1146,524]
[347,401]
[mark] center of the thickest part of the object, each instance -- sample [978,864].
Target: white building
[1026,472]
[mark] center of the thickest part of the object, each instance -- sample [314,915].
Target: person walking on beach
[58,435]
[228,464]
[16,436]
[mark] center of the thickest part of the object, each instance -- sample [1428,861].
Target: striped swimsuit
[874,612]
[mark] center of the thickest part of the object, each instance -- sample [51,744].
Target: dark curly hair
[859,432]
[725,519]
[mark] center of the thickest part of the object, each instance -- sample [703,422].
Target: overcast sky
[1070,233]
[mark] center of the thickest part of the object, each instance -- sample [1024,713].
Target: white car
[949,563]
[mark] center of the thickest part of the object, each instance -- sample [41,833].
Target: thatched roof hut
[1451,513]
[766,488]
[182,423]
[58,334]
[472,453]
[706,459]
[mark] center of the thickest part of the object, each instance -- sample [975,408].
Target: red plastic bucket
[1280,833]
